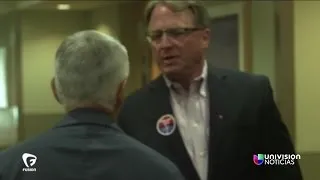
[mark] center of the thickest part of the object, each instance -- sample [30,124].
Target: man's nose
[165,41]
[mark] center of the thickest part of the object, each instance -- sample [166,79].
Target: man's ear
[120,91]
[54,90]
[120,96]
[206,38]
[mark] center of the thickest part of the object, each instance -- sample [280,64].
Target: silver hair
[89,67]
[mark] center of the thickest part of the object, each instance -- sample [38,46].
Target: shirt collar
[202,78]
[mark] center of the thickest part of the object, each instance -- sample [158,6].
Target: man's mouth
[167,58]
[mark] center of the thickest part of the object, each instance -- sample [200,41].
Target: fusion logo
[29,160]
[275,159]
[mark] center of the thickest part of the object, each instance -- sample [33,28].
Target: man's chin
[172,73]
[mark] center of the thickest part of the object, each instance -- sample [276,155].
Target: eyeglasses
[172,32]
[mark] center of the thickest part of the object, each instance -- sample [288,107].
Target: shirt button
[198,106]
[202,154]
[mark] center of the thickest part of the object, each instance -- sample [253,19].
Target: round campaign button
[166,125]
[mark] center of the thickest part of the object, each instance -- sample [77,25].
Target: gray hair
[89,67]
[201,15]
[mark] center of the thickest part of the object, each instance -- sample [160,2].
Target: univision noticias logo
[275,159]
[258,159]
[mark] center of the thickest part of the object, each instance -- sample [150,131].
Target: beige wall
[132,36]
[263,39]
[106,20]
[3,31]
[124,22]
[307,74]
[42,32]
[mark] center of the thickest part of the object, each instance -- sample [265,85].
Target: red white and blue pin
[166,125]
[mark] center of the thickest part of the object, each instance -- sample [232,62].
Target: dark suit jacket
[251,124]
[86,145]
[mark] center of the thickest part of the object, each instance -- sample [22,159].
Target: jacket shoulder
[141,92]
[12,156]
[240,76]
[140,157]
[243,80]
[141,95]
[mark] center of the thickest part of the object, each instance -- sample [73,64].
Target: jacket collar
[211,73]
[87,116]
[199,81]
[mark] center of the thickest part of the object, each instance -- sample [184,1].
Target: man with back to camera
[90,73]
[208,121]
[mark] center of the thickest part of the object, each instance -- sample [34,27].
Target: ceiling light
[63,6]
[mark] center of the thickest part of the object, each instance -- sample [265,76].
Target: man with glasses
[210,122]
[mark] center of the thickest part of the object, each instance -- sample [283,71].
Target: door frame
[3,77]
[243,10]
